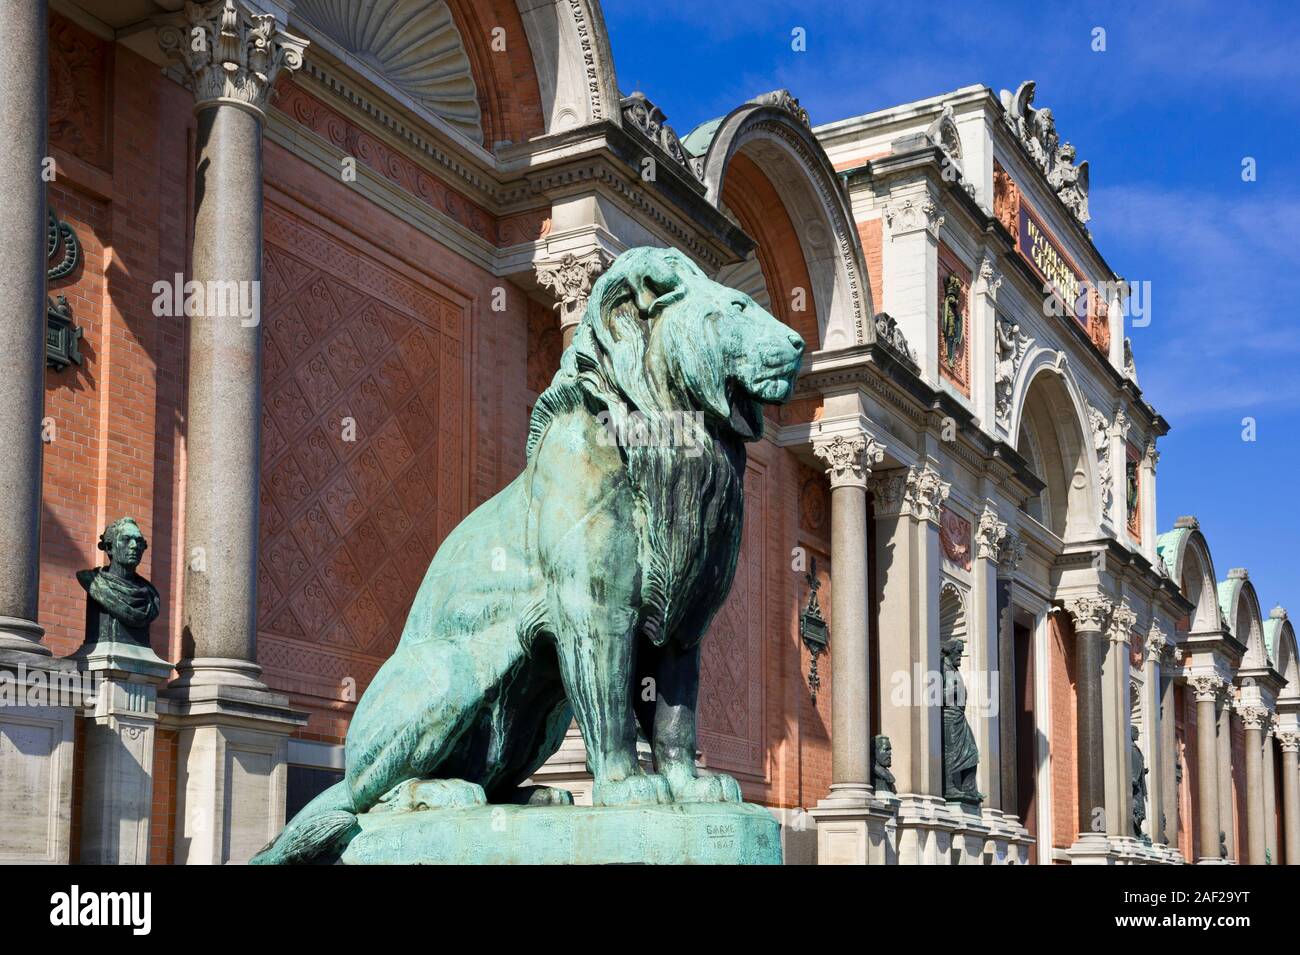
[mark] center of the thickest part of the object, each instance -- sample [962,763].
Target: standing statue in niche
[960,754]
[122,604]
[615,557]
[1138,774]
[882,757]
[953,322]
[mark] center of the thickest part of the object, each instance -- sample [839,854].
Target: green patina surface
[687,834]
[582,590]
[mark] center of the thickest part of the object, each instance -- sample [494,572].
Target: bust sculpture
[960,754]
[121,603]
[1138,772]
[882,757]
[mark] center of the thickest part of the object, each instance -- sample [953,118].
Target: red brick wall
[869,234]
[162,829]
[118,133]
[1065,760]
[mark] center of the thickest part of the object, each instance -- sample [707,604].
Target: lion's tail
[322,825]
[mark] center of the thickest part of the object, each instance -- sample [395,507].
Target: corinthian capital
[990,534]
[1289,740]
[570,280]
[1207,687]
[849,458]
[230,54]
[1253,717]
[1090,612]
[925,493]
[1122,620]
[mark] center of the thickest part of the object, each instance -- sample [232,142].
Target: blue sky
[1165,116]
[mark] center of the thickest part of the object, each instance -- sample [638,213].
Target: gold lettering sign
[1047,259]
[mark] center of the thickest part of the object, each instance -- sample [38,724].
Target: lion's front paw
[637,789]
[716,788]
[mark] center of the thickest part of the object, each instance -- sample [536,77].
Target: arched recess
[438,53]
[1048,424]
[753,201]
[574,65]
[1187,558]
[1240,608]
[771,134]
[1279,641]
[952,613]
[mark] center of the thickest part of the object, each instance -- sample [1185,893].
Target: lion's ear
[656,281]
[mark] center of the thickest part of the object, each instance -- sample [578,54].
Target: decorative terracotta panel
[955,537]
[358,361]
[954,324]
[731,712]
[78,95]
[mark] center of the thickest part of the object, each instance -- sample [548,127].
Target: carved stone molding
[887,492]
[989,535]
[849,458]
[570,280]
[230,54]
[990,277]
[925,491]
[782,99]
[891,336]
[912,215]
[1011,553]
[649,120]
[1101,431]
[1253,717]
[1036,130]
[1091,613]
[1207,687]
[1011,346]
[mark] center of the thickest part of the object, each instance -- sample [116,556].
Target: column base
[232,768]
[19,637]
[923,830]
[1009,841]
[851,827]
[1092,848]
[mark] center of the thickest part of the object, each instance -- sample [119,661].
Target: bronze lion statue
[598,568]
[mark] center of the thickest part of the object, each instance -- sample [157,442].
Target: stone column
[24,75]
[1009,555]
[1270,793]
[1091,615]
[1223,746]
[570,280]
[848,461]
[1167,769]
[1208,689]
[230,57]
[850,822]
[1289,740]
[1253,718]
[1116,719]
[989,535]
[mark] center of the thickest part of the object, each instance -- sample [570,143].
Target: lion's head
[659,335]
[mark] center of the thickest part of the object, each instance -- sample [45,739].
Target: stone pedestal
[922,830]
[684,834]
[119,744]
[850,833]
[971,835]
[231,769]
[1009,841]
[38,712]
